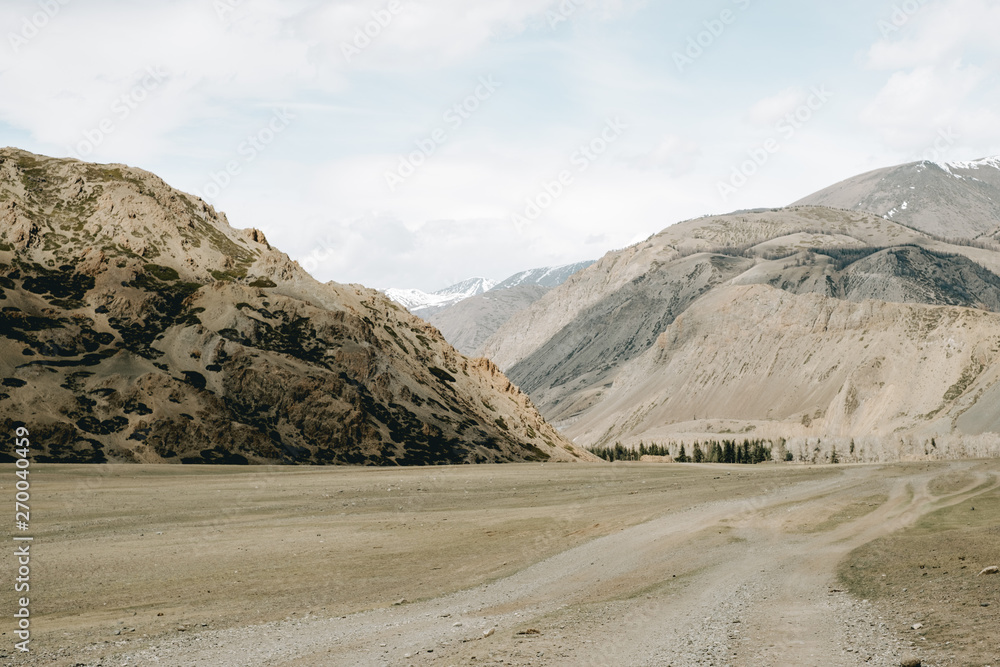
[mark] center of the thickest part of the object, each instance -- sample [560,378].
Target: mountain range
[869,330]
[426,304]
[423,303]
[469,312]
[137,325]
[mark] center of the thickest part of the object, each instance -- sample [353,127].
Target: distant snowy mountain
[467,288]
[426,304]
[419,302]
[468,323]
[953,199]
[545,277]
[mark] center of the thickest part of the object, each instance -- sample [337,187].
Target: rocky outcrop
[137,325]
[470,322]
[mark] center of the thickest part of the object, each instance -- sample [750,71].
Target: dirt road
[726,582]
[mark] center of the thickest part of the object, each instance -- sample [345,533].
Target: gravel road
[724,583]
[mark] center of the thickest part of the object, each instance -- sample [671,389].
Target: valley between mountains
[240,465]
[157,332]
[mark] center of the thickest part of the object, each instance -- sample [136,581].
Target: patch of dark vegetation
[395,337]
[164,308]
[749,452]
[15,324]
[74,381]
[63,284]
[139,434]
[87,360]
[215,457]
[190,317]
[535,455]
[85,405]
[229,276]
[441,374]
[422,443]
[291,335]
[102,427]
[134,407]
[62,442]
[263,283]
[162,273]
[195,379]
[13,382]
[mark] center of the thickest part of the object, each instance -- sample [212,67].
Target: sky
[417,143]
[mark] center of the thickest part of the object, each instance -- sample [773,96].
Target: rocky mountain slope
[955,199]
[467,327]
[472,311]
[547,276]
[807,322]
[137,325]
[469,323]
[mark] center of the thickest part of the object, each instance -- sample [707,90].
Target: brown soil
[619,564]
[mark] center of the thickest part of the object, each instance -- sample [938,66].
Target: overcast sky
[415,143]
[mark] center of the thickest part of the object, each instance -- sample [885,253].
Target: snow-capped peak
[416,300]
[549,276]
[467,288]
[976,164]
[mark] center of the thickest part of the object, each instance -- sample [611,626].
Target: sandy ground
[640,564]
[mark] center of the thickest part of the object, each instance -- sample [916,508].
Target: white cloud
[223,75]
[913,105]
[939,32]
[678,156]
[65,81]
[770,110]
[941,60]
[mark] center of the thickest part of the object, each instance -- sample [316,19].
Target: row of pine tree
[713,451]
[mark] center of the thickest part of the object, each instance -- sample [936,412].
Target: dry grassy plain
[571,564]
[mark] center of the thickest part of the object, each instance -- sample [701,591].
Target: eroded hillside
[805,323]
[137,325]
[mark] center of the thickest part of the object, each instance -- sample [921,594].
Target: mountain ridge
[928,196]
[140,326]
[587,351]
[428,304]
[419,302]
